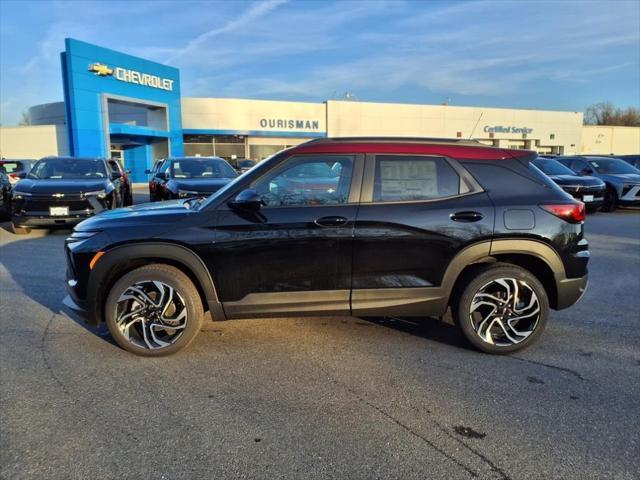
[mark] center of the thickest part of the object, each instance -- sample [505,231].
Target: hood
[158,214]
[205,185]
[620,177]
[61,186]
[576,180]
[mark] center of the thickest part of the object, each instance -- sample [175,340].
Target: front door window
[307,181]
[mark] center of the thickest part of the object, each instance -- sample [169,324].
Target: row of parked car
[62,191]
[600,182]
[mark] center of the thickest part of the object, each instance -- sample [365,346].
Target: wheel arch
[125,258]
[534,256]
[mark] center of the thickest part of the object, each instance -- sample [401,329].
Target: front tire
[154,311]
[610,200]
[501,309]
[19,230]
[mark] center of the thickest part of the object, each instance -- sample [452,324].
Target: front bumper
[630,196]
[570,291]
[590,196]
[47,221]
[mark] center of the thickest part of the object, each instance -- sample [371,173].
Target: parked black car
[409,228]
[62,191]
[244,164]
[190,177]
[621,179]
[153,180]
[16,170]
[127,186]
[589,190]
[5,195]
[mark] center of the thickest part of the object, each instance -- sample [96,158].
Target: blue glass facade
[95,78]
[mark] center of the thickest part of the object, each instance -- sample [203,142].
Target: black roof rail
[388,139]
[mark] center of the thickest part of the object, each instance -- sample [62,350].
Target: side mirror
[147,172]
[248,201]
[128,172]
[115,175]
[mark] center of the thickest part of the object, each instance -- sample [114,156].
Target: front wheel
[154,310]
[502,309]
[610,200]
[19,230]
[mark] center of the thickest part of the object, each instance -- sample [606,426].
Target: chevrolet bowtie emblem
[58,195]
[100,69]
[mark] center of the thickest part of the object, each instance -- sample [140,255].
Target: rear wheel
[20,230]
[153,311]
[501,309]
[610,200]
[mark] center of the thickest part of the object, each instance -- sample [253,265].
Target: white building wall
[607,140]
[241,115]
[33,142]
[547,128]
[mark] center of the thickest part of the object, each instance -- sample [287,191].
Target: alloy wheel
[504,312]
[151,314]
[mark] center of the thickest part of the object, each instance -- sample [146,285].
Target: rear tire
[154,311]
[20,230]
[610,200]
[501,308]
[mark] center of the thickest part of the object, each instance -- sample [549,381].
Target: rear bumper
[570,291]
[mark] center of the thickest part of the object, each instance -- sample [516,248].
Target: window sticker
[408,179]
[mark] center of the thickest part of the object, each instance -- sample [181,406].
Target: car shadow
[22,256]
[428,328]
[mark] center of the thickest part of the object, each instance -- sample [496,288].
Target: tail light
[13,178]
[569,212]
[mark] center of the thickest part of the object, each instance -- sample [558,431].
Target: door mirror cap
[248,201]
[147,172]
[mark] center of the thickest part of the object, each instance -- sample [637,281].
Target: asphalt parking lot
[336,397]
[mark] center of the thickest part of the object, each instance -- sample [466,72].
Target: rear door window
[413,178]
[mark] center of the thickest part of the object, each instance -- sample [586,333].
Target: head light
[187,193]
[18,195]
[98,193]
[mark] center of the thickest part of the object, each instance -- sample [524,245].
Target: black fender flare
[175,253]
[483,252]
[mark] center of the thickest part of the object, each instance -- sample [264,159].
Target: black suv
[184,177]
[383,227]
[63,191]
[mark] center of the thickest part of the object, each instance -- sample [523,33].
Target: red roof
[461,151]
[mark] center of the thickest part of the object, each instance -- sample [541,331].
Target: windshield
[68,168]
[552,167]
[201,168]
[611,165]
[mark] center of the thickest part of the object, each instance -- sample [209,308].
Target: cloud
[255,12]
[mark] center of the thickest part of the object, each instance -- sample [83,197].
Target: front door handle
[466,217]
[331,221]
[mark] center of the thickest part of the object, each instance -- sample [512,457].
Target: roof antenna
[474,127]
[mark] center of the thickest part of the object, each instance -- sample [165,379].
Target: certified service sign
[132,76]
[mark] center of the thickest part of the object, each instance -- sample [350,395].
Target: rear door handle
[466,217]
[331,221]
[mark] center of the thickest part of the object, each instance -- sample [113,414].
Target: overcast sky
[556,55]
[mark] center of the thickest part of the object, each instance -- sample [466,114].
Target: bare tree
[606,113]
[24,120]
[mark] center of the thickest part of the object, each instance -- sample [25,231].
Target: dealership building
[132,109]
